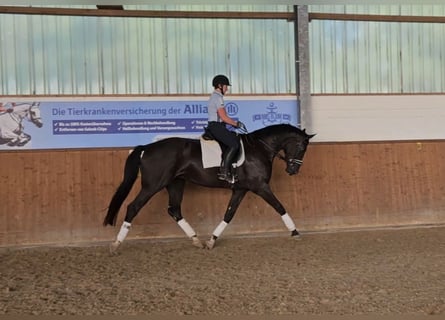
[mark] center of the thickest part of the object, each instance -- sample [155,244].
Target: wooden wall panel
[61,197]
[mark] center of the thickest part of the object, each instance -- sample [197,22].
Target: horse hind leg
[175,192]
[132,210]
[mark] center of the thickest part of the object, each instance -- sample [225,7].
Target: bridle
[31,114]
[290,161]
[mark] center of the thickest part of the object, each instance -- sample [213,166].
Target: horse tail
[131,171]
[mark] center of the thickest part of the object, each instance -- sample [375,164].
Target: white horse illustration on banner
[11,126]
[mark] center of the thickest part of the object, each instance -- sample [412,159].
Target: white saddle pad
[211,154]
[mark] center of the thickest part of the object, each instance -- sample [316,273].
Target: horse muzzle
[291,170]
[38,123]
[293,166]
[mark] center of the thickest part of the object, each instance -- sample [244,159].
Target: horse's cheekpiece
[170,162]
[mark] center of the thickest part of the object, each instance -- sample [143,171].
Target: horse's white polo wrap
[186,228]
[211,154]
[288,222]
[220,228]
[123,231]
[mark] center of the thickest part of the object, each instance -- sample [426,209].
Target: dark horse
[171,162]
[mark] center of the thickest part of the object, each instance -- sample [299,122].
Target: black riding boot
[226,166]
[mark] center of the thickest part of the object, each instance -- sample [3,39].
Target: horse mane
[282,128]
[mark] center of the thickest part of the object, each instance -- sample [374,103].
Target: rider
[218,119]
[7,106]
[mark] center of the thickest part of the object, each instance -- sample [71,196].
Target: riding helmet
[220,79]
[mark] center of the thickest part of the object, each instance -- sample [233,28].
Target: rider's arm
[225,118]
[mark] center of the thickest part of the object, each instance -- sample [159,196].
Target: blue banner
[123,123]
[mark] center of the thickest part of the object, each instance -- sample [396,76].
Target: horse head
[292,140]
[295,146]
[29,111]
[34,114]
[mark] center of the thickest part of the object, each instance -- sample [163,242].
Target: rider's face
[224,89]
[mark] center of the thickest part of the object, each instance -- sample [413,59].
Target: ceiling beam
[110,7]
[375,17]
[118,11]
[146,13]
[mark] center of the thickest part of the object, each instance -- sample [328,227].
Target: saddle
[212,151]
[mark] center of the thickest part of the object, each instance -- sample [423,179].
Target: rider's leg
[226,167]
[232,142]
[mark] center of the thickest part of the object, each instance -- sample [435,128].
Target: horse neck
[275,137]
[268,142]
[21,111]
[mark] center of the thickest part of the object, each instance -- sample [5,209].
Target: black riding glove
[241,126]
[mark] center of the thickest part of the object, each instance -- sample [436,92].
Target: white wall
[375,117]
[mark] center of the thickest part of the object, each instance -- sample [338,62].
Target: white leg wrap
[220,228]
[288,222]
[123,231]
[186,228]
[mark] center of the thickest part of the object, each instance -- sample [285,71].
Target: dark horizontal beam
[146,13]
[375,17]
[112,12]
[111,7]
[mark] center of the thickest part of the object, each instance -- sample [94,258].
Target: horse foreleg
[187,228]
[175,193]
[24,139]
[265,193]
[235,200]
[125,228]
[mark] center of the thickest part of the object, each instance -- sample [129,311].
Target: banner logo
[272,116]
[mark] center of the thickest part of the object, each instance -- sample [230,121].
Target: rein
[16,118]
[275,153]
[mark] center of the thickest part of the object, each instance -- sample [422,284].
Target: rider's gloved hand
[9,110]
[241,126]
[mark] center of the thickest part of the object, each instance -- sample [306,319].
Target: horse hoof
[197,243]
[210,244]
[13,143]
[113,247]
[22,143]
[295,235]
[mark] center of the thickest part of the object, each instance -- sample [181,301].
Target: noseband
[293,161]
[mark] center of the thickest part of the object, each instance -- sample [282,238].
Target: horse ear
[309,136]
